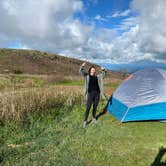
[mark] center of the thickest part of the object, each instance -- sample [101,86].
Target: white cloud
[100,18]
[143,36]
[120,14]
[46,24]
[127,23]
[50,25]
[152,32]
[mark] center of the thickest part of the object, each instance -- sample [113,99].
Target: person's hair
[90,69]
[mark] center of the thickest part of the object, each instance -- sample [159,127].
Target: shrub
[14,105]
[17,71]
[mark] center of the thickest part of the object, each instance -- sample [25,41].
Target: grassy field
[58,139]
[41,124]
[17,81]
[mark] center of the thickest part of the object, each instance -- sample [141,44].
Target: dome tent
[142,96]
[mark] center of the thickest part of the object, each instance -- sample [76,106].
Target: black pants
[92,98]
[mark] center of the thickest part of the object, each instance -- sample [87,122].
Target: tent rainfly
[142,96]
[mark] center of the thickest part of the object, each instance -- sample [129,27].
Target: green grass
[18,81]
[80,83]
[68,82]
[58,139]
[112,85]
[21,80]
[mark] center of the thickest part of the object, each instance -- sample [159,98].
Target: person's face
[92,71]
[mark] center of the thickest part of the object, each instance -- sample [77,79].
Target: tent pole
[125,115]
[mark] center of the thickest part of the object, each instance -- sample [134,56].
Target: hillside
[15,61]
[58,139]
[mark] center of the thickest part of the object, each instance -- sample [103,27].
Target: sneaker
[94,120]
[84,124]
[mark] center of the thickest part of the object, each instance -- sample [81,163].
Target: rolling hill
[17,61]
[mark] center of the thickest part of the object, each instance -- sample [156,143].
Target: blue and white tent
[142,96]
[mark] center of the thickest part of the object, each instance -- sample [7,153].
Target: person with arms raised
[93,88]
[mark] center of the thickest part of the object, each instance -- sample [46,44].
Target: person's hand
[102,68]
[83,64]
[162,150]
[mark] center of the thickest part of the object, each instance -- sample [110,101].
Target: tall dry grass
[14,105]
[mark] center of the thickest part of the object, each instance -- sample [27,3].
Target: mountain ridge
[20,61]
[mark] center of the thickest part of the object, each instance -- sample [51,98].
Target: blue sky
[100,13]
[99,31]
[105,9]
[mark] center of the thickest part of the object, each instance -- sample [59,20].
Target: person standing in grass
[93,88]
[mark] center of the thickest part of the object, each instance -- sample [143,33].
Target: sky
[99,31]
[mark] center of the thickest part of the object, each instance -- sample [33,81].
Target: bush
[15,105]
[17,71]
